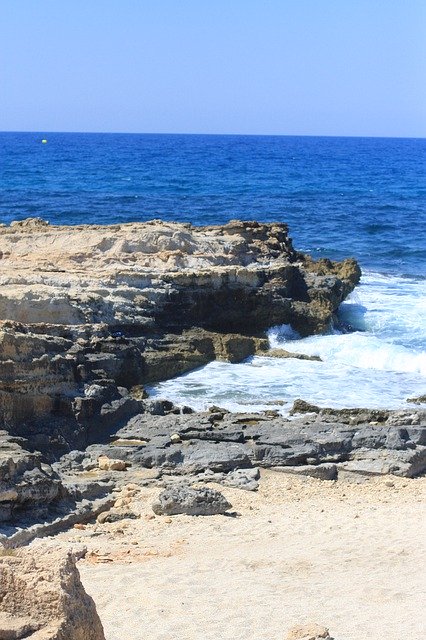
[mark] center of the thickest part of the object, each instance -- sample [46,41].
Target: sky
[288,67]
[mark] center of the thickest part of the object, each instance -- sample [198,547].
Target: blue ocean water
[361,197]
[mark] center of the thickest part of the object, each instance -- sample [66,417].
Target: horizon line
[254,135]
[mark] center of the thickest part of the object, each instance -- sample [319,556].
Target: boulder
[283,353]
[111,464]
[42,596]
[310,631]
[193,502]
[115,515]
[246,479]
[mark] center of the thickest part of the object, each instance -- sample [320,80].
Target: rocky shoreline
[89,315]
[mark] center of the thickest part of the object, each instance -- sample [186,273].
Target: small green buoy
[44,141]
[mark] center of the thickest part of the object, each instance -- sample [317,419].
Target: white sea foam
[390,307]
[362,350]
[380,362]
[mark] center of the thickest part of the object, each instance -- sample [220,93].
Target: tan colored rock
[111,464]
[132,486]
[283,353]
[199,290]
[310,631]
[122,502]
[42,597]
[120,273]
[15,628]
[130,493]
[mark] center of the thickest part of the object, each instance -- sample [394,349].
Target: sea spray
[374,357]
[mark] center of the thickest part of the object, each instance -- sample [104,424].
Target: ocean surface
[361,197]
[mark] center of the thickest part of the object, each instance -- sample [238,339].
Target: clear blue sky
[308,67]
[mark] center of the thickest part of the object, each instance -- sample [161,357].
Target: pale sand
[348,556]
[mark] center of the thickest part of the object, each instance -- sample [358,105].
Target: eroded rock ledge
[91,311]
[241,277]
[89,314]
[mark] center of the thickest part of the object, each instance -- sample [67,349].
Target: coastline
[90,316]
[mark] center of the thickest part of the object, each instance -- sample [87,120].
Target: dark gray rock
[116,515]
[83,488]
[61,518]
[193,502]
[214,446]
[416,435]
[407,463]
[327,471]
[25,481]
[246,479]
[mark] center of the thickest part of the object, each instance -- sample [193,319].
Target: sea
[341,197]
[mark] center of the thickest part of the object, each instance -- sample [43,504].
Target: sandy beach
[342,554]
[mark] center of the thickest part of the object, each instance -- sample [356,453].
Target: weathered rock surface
[283,353]
[193,502]
[223,278]
[41,597]
[88,313]
[227,448]
[25,481]
[91,314]
[310,631]
[115,515]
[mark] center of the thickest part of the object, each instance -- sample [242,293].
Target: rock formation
[25,481]
[41,596]
[243,277]
[321,444]
[137,303]
[89,314]
[193,502]
[310,631]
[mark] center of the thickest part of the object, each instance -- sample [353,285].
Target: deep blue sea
[361,197]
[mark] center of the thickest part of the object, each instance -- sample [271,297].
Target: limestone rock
[25,482]
[301,406]
[15,628]
[90,314]
[85,310]
[327,471]
[41,594]
[311,631]
[418,400]
[224,278]
[193,502]
[246,479]
[29,223]
[111,464]
[115,515]
[283,353]
[313,445]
